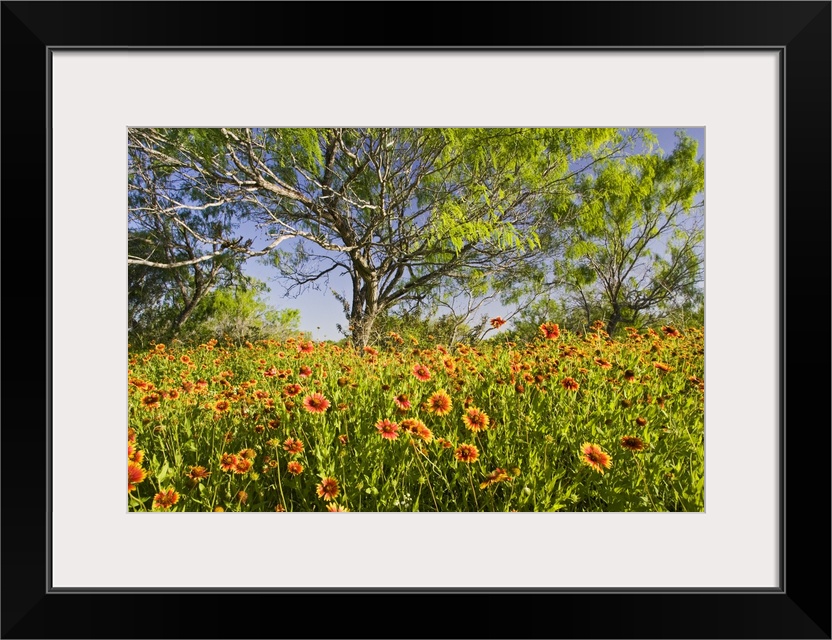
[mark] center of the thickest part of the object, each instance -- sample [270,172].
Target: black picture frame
[799,608]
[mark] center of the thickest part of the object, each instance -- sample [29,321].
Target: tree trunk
[201,288]
[615,318]
[185,314]
[365,309]
[362,327]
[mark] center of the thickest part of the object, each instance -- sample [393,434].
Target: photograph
[404,267]
[400,319]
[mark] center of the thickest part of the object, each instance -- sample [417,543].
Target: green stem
[213,453]
[280,485]
[473,491]
[644,479]
[417,453]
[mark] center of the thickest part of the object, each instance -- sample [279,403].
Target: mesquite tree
[175,251]
[402,212]
[637,233]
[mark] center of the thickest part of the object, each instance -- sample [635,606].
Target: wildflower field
[563,423]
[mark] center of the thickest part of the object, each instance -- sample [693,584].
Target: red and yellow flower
[316,403]
[222,406]
[290,389]
[550,330]
[632,443]
[151,401]
[387,429]
[570,384]
[439,403]
[198,473]
[293,445]
[421,372]
[165,499]
[228,462]
[498,475]
[671,332]
[243,466]
[593,456]
[135,475]
[402,402]
[294,467]
[328,489]
[475,420]
[467,453]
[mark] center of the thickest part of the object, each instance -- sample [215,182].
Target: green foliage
[637,234]
[180,244]
[240,315]
[525,326]
[596,218]
[402,211]
[405,329]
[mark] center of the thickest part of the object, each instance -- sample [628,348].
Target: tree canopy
[627,246]
[403,212]
[637,232]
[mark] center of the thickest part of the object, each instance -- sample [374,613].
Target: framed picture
[753,79]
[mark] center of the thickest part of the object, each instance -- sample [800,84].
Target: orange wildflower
[228,462]
[316,403]
[243,465]
[475,419]
[498,475]
[411,425]
[421,372]
[151,401]
[198,473]
[445,443]
[632,443]
[291,389]
[293,445]
[327,489]
[604,364]
[165,499]
[439,404]
[593,456]
[570,384]
[135,475]
[467,453]
[671,332]
[387,429]
[402,402]
[550,330]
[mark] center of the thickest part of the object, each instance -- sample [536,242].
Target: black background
[801,609]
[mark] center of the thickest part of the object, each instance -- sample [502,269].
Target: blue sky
[320,312]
